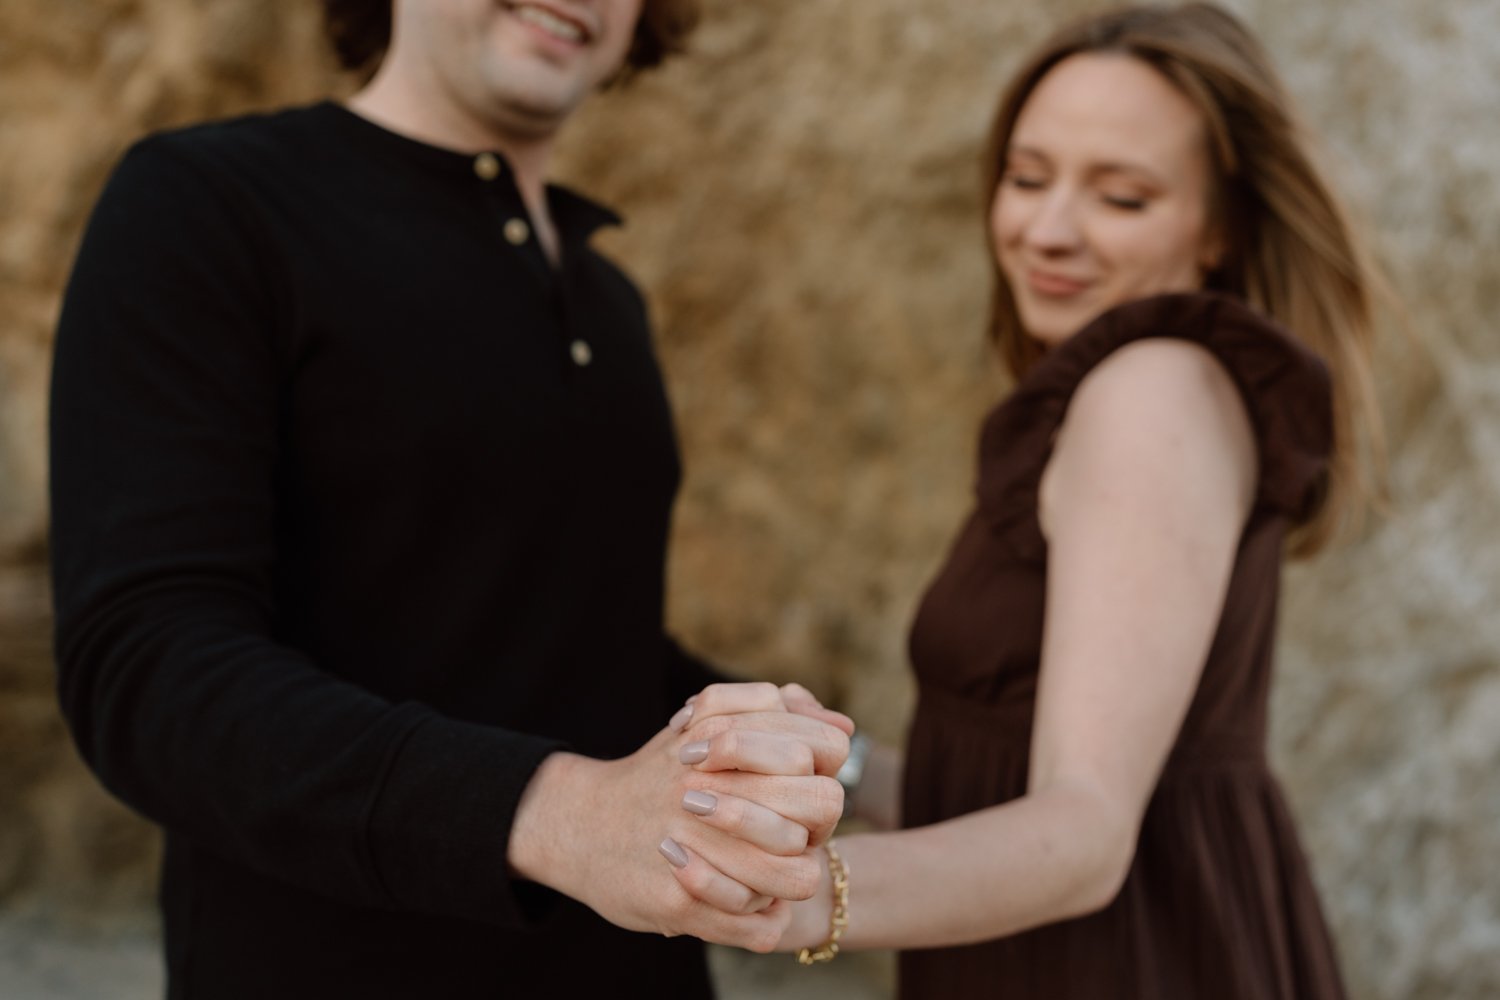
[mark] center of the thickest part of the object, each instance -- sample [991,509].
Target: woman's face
[1105,193]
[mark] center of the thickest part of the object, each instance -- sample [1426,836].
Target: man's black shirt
[359,510]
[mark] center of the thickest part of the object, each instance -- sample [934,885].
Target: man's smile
[553,22]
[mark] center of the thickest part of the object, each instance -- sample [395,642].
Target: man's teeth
[550,22]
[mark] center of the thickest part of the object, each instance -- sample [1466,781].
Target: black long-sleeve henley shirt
[359,511]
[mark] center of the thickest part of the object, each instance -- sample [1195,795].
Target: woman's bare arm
[1143,505]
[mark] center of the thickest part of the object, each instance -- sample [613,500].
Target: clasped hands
[735,794]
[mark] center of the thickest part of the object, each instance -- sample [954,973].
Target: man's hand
[732,798]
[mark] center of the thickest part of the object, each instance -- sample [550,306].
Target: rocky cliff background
[803,205]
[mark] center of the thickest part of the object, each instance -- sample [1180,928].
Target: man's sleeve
[164,446]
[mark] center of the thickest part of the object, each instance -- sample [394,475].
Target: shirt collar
[576,216]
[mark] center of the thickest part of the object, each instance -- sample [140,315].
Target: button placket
[516,231]
[575,333]
[487,166]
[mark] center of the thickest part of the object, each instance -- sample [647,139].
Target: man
[362,474]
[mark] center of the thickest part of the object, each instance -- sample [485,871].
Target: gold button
[582,353]
[487,166]
[517,231]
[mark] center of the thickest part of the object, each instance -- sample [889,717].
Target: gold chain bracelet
[839,872]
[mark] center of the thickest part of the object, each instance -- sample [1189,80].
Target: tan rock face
[77,83]
[804,213]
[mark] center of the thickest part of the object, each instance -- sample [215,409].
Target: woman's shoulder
[1256,350]
[1153,384]
[1160,417]
[1183,350]
[1170,346]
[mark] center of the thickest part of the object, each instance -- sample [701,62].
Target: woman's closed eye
[1024,181]
[1126,202]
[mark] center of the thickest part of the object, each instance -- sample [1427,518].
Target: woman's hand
[782,805]
[740,698]
[592,829]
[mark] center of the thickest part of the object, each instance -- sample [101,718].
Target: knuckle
[699,881]
[803,877]
[789,839]
[833,747]
[764,691]
[730,743]
[722,696]
[806,760]
[699,781]
[712,726]
[734,816]
[746,902]
[828,799]
[763,939]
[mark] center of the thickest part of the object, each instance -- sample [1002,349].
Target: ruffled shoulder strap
[1286,388]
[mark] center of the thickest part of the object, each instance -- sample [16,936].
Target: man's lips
[553,21]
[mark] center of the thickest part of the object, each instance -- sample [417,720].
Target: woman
[1088,803]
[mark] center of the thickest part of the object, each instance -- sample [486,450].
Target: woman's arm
[1143,505]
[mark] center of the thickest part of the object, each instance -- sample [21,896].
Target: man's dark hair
[360,32]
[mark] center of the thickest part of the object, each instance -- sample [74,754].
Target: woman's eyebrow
[1138,171]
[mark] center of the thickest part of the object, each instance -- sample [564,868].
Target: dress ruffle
[1285,386]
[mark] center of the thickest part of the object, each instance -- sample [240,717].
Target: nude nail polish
[700,803]
[680,721]
[694,753]
[673,852]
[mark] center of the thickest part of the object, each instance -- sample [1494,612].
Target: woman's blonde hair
[1289,247]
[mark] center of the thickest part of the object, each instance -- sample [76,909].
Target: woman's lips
[1054,285]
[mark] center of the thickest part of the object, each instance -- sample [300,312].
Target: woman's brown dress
[1218,903]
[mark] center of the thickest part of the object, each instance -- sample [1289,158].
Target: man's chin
[536,104]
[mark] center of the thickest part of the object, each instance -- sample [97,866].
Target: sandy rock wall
[803,211]
[77,82]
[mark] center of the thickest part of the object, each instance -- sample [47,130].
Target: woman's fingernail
[701,803]
[673,852]
[680,721]
[691,698]
[694,753]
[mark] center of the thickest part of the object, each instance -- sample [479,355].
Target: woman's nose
[1055,226]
